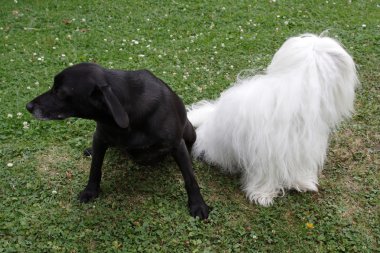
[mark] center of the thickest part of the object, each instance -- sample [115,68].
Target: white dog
[274,127]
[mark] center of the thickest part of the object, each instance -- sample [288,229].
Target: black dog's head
[79,91]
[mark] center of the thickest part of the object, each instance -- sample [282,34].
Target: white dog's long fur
[274,127]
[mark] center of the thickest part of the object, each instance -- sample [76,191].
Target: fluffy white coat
[274,127]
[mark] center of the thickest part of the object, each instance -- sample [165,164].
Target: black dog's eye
[96,93]
[61,94]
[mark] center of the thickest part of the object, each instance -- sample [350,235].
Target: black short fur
[134,110]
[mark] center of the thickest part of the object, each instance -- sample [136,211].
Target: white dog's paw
[263,199]
[305,186]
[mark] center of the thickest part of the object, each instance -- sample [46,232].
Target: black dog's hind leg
[93,186]
[196,203]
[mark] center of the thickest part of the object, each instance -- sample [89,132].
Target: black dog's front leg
[196,203]
[93,186]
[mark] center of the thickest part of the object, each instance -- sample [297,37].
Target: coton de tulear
[274,127]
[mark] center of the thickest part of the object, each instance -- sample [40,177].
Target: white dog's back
[274,127]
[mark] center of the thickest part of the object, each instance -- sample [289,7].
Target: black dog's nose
[30,106]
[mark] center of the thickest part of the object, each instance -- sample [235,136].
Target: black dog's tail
[189,135]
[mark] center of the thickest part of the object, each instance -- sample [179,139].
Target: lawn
[198,47]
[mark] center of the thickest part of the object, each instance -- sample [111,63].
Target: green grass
[198,47]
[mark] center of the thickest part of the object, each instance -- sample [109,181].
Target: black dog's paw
[87,152]
[87,195]
[200,210]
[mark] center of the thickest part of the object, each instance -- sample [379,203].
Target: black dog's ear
[113,103]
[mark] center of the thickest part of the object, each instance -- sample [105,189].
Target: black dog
[134,110]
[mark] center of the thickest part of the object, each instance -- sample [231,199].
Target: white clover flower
[25,125]
[10,165]
[28,88]
[83,20]
[364,25]
[141,55]
[9,115]
[63,55]
[71,64]
[19,114]
[54,192]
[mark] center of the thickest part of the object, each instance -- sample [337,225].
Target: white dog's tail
[198,113]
